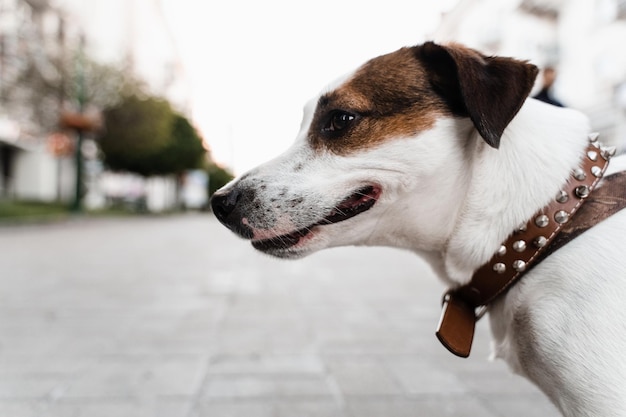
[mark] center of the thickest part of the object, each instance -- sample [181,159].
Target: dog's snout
[225,207]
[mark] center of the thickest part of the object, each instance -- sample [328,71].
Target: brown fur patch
[390,97]
[489,90]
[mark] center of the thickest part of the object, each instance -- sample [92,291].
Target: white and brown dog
[438,150]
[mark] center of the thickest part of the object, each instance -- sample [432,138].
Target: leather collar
[464,305]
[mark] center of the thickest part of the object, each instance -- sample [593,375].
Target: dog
[438,149]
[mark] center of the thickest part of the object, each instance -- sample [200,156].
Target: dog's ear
[490,90]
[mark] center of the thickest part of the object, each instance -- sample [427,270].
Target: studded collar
[464,305]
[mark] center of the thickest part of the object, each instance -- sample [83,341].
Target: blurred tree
[184,150]
[145,136]
[218,177]
[37,94]
[106,85]
[136,130]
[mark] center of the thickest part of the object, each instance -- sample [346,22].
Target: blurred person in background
[545,95]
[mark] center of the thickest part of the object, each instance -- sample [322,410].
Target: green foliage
[135,130]
[35,210]
[145,136]
[184,150]
[218,177]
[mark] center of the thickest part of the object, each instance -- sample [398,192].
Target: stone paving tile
[309,409]
[31,387]
[489,381]
[365,344]
[418,377]
[362,376]
[524,405]
[113,407]
[257,387]
[266,365]
[124,376]
[271,408]
[443,406]
[174,317]
[28,339]
[16,408]
[237,409]
[36,366]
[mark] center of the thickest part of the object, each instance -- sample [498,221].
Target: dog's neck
[509,184]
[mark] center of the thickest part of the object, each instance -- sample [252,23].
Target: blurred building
[582,39]
[32,45]
[39,41]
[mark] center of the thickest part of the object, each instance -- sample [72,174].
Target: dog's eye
[337,121]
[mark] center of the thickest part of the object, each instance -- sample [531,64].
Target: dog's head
[386,142]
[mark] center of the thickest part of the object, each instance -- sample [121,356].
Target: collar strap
[464,305]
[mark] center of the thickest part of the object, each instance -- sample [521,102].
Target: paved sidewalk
[175,317]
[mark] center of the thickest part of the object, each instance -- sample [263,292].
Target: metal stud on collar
[608,152]
[596,171]
[499,268]
[540,241]
[582,191]
[519,265]
[562,196]
[592,155]
[593,137]
[542,220]
[519,246]
[579,174]
[561,216]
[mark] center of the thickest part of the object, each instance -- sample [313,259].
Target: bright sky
[253,64]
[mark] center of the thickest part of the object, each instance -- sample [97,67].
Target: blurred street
[175,317]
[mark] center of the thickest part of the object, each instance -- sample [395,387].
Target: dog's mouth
[358,202]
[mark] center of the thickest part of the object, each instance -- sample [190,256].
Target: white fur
[451,198]
[538,150]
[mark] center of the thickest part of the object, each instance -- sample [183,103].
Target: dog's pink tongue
[357,203]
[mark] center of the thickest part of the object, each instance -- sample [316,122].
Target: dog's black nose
[227,208]
[223,204]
